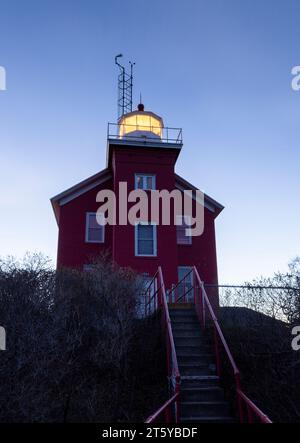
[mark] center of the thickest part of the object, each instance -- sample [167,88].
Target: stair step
[197,369]
[186,326]
[185,320]
[189,333]
[188,341]
[184,313]
[196,358]
[199,381]
[182,307]
[204,408]
[209,393]
[214,419]
[197,350]
[188,322]
[192,350]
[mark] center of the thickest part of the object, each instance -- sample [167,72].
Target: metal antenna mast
[125,84]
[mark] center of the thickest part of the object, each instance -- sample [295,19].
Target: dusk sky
[221,70]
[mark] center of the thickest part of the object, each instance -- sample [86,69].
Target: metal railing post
[217,351]
[168,414]
[177,403]
[239,400]
[203,306]
[249,414]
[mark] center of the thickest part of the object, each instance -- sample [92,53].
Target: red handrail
[168,324]
[152,418]
[218,334]
[160,302]
[252,408]
[216,324]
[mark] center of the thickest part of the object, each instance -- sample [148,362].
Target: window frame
[144,176]
[136,248]
[87,227]
[185,227]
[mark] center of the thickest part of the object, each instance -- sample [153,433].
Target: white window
[183,230]
[145,239]
[94,233]
[144,181]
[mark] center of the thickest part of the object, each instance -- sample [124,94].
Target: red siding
[202,253]
[73,251]
[127,162]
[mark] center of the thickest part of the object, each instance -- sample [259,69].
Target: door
[185,291]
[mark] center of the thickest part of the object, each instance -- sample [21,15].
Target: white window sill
[94,241]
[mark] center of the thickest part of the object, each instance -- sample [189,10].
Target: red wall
[202,251]
[127,162]
[73,251]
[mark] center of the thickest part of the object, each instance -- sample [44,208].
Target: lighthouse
[141,153]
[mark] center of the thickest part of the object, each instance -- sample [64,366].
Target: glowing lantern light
[140,124]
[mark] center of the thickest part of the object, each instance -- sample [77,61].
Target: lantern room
[140,124]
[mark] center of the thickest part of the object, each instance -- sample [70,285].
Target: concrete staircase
[202,398]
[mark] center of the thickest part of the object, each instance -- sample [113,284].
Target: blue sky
[221,70]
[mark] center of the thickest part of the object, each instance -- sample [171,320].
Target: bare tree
[72,342]
[257,319]
[277,296]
